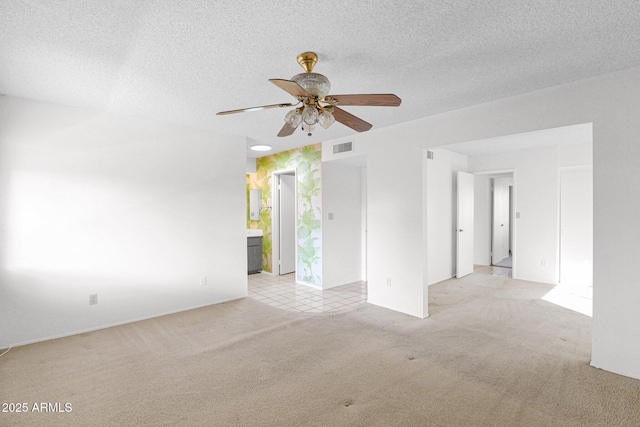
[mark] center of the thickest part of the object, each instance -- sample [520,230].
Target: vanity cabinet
[254,254]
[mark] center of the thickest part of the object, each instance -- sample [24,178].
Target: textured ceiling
[181,62]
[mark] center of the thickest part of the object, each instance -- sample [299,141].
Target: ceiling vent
[343,148]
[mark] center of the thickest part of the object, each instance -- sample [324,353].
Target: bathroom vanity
[254,250]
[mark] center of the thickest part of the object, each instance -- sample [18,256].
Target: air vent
[343,148]
[430,155]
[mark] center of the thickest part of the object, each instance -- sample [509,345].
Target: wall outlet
[543,263]
[203,280]
[389,281]
[93,299]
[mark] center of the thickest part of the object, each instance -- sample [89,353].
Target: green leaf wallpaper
[307,161]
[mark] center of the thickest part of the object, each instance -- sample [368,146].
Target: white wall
[537,200]
[131,210]
[441,213]
[363,224]
[396,278]
[576,224]
[342,234]
[612,103]
[251,165]
[575,155]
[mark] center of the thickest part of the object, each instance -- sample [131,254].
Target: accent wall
[307,162]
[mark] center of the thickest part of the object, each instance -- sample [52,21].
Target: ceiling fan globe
[326,119]
[310,115]
[293,118]
[307,128]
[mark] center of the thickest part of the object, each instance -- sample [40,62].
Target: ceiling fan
[318,107]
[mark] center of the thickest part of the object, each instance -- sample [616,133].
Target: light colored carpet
[491,354]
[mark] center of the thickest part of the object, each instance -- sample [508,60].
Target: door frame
[493,213]
[514,213]
[275,220]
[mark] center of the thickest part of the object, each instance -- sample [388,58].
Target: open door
[287,225]
[464,230]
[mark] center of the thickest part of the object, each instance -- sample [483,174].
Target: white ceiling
[181,62]
[567,135]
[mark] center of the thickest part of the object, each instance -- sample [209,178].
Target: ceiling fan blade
[379,100]
[350,120]
[244,110]
[292,87]
[286,130]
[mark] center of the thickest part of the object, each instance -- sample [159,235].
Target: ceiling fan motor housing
[314,83]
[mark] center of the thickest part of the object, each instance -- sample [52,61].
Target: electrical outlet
[544,263]
[389,281]
[203,280]
[93,299]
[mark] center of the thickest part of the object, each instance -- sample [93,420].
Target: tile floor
[283,292]
[492,270]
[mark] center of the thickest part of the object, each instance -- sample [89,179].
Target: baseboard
[314,286]
[623,372]
[111,325]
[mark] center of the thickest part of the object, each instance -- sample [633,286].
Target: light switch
[330,215]
[517,215]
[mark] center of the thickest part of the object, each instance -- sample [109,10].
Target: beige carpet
[491,354]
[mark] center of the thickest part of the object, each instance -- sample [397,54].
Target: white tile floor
[283,292]
[492,270]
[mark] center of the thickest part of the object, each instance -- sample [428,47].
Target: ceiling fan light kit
[318,107]
[326,119]
[293,117]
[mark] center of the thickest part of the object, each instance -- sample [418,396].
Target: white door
[464,229]
[500,226]
[287,225]
[576,227]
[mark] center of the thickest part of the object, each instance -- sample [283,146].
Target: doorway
[284,222]
[495,232]
[501,223]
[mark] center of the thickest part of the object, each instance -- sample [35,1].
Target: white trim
[311,285]
[125,322]
[267,273]
[615,370]
[275,220]
[495,172]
